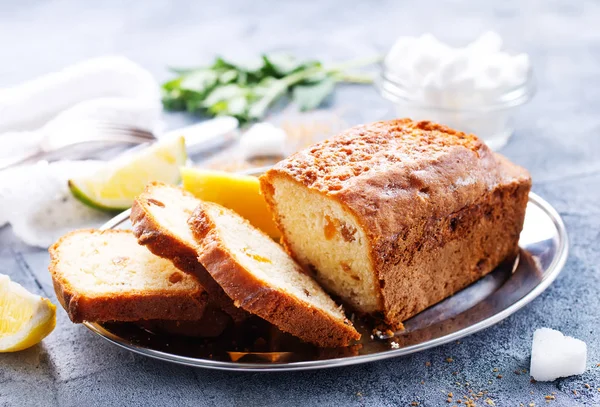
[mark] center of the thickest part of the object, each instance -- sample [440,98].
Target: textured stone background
[557,139]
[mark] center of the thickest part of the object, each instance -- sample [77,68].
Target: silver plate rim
[550,274]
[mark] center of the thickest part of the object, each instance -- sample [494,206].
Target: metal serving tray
[258,346]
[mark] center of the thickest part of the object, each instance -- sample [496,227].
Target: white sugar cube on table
[263,140]
[555,355]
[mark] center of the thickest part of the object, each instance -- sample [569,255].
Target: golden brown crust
[442,256]
[165,304]
[163,243]
[257,297]
[402,180]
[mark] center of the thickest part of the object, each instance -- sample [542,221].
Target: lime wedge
[114,186]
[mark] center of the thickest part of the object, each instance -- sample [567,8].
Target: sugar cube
[555,355]
[263,140]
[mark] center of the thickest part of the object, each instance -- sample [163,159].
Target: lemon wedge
[25,318]
[240,193]
[114,186]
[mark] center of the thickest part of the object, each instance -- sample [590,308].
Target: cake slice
[395,216]
[102,276]
[264,280]
[159,220]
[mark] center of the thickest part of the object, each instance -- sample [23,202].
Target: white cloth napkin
[35,199]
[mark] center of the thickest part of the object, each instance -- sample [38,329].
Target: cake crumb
[587,386]
[450,394]
[531,404]
[499,376]
[490,402]
[427,364]
[549,397]
[449,360]
[395,345]
[422,381]
[414,403]
[495,369]
[575,392]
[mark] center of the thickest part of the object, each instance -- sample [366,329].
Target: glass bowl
[490,119]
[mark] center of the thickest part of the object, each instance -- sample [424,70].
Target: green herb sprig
[247,90]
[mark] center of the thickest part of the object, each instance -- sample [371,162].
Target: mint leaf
[280,65]
[253,66]
[199,81]
[270,91]
[247,90]
[228,76]
[235,106]
[193,101]
[309,97]
[173,84]
[223,93]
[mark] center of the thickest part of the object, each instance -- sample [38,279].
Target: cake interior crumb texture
[97,263]
[267,261]
[324,227]
[172,207]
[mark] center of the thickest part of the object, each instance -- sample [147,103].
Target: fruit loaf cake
[395,216]
[264,280]
[159,220]
[102,276]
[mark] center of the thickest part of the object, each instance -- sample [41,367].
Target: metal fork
[86,135]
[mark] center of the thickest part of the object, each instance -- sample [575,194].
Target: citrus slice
[114,186]
[240,193]
[25,318]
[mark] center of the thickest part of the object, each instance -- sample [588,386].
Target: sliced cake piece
[102,276]
[261,278]
[159,218]
[395,216]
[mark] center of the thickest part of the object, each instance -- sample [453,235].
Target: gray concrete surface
[557,139]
